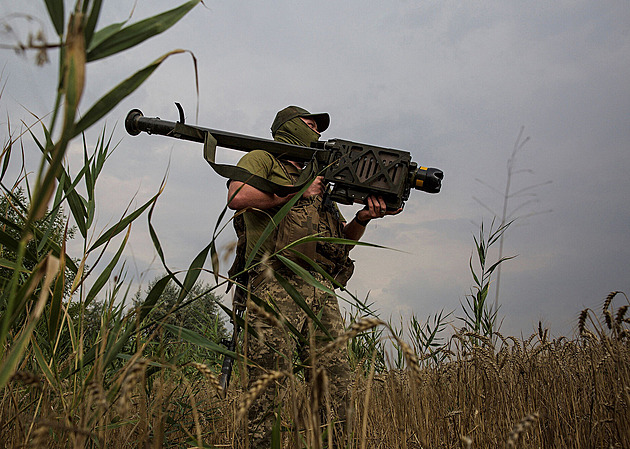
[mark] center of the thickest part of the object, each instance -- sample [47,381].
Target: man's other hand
[375,208]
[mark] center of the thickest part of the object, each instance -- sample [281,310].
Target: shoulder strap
[240,174]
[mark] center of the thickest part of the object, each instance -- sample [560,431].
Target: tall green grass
[40,268]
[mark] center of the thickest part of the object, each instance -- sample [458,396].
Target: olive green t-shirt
[266,166]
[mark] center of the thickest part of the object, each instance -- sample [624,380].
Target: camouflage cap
[290,112]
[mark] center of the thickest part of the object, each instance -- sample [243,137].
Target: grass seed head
[259,311]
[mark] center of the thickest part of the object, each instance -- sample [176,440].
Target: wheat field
[533,393]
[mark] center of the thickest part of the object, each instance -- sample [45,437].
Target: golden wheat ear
[26,378]
[520,428]
[208,374]
[40,436]
[364,324]
[582,321]
[608,300]
[621,313]
[133,376]
[259,386]
[413,362]
[97,395]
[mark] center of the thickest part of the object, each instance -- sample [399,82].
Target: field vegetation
[86,362]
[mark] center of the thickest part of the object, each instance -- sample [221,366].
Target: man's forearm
[374,209]
[243,196]
[354,230]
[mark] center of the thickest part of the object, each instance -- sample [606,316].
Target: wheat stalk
[325,385]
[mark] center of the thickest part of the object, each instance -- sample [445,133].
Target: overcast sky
[453,82]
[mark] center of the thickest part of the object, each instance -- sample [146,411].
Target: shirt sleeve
[257,162]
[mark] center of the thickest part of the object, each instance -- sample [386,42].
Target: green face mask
[296,132]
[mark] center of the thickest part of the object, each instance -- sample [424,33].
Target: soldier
[311,214]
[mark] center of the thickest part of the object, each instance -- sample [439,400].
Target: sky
[453,82]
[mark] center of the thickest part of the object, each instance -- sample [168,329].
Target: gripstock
[353,170]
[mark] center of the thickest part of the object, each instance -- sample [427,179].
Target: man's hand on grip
[317,187]
[375,208]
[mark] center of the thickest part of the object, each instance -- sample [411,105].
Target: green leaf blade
[111,99]
[56,13]
[115,39]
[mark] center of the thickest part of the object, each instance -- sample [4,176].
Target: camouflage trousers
[276,347]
